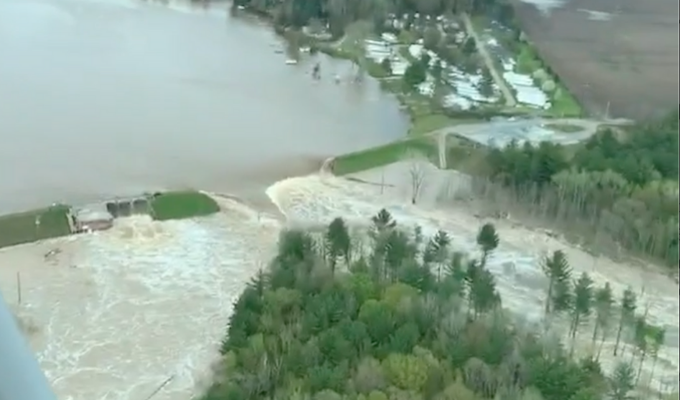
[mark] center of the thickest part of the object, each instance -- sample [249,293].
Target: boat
[291,61]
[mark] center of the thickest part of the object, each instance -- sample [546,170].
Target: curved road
[502,131]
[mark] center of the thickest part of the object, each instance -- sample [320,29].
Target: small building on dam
[100,216]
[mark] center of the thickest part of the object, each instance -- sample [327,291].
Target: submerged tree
[582,305]
[641,339]
[658,336]
[387,328]
[603,302]
[337,242]
[556,268]
[437,251]
[487,240]
[622,382]
[626,315]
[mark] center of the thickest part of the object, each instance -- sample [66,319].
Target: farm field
[621,52]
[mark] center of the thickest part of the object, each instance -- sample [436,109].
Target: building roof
[92,212]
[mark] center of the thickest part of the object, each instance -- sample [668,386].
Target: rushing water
[103,98]
[107,98]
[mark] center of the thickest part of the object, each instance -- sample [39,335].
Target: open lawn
[618,52]
[22,228]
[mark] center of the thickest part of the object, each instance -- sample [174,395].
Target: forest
[383,312]
[619,190]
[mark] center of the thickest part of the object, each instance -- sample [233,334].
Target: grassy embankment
[182,204]
[22,228]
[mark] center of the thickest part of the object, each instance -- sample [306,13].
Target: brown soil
[629,61]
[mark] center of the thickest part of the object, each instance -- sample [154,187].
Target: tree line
[618,190]
[338,14]
[386,313]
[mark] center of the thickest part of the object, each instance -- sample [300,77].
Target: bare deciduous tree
[416,174]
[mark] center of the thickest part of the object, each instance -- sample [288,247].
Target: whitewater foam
[318,199]
[115,314]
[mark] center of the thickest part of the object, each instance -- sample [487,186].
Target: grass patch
[21,228]
[180,205]
[353,43]
[566,128]
[528,60]
[564,104]
[429,123]
[382,155]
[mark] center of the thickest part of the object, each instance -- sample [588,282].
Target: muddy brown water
[110,98]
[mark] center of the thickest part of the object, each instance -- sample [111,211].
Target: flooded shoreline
[170,286]
[138,97]
[116,314]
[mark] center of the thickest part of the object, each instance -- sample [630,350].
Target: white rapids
[115,314]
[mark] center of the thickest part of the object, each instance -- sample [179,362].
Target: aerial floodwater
[112,98]
[106,98]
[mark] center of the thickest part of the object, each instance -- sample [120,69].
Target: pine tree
[627,315]
[622,382]
[558,272]
[437,251]
[483,294]
[487,240]
[337,242]
[604,302]
[582,305]
[641,336]
[658,336]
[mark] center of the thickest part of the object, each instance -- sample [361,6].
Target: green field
[182,204]
[22,228]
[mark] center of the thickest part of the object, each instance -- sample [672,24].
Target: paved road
[499,133]
[481,48]
[501,126]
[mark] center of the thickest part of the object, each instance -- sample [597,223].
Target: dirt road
[481,48]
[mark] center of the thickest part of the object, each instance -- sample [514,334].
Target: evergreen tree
[487,240]
[337,242]
[582,305]
[626,315]
[604,302]
[622,382]
[556,268]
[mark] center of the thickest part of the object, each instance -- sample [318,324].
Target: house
[93,217]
